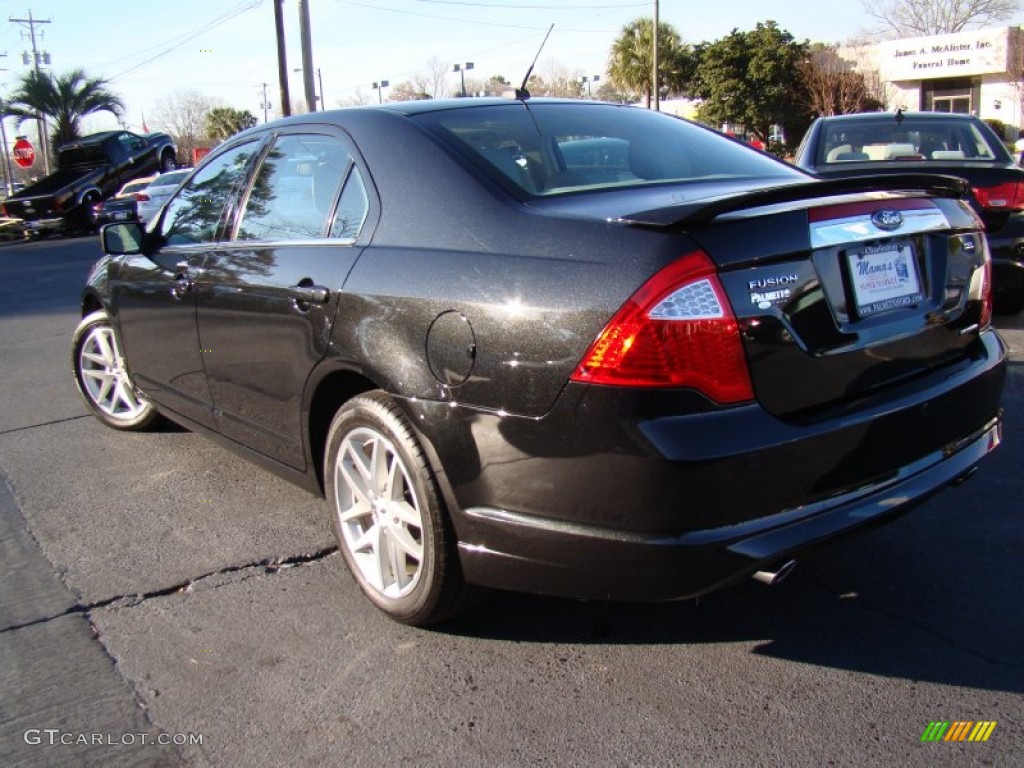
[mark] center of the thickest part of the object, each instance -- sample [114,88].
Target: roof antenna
[521,92]
[899,115]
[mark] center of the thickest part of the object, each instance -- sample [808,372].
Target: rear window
[172,179]
[886,140]
[551,149]
[91,155]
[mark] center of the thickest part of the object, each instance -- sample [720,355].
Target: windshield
[552,149]
[886,140]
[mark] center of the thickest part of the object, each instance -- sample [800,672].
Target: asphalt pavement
[156,588]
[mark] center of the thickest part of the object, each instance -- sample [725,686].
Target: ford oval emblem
[887,219]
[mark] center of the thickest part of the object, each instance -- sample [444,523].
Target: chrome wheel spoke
[404,541]
[354,474]
[396,561]
[405,512]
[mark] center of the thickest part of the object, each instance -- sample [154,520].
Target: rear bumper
[43,225]
[621,494]
[535,555]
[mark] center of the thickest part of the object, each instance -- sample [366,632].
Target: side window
[194,213]
[352,208]
[295,189]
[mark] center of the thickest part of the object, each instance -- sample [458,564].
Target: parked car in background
[558,346]
[934,142]
[122,206]
[157,192]
[88,170]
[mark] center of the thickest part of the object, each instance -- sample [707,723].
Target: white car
[162,187]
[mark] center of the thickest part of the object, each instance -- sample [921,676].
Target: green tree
[222,122]
[753,78]
[630,60]
[64,100]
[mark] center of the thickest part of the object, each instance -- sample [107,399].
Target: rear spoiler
[700,213]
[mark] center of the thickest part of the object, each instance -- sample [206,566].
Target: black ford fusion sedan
[564,347]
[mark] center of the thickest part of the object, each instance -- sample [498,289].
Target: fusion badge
[768,291]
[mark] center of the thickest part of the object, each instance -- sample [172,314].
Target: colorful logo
[958,730]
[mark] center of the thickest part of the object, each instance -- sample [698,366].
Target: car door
[268,299]
[154,295]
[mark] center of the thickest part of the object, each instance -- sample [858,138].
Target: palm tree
[64,99]
[222,122]
[630,58]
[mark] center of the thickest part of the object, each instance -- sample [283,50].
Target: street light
[461,69]
[378,87]
[588,81]
[320,80]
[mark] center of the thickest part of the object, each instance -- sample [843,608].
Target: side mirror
[122,239]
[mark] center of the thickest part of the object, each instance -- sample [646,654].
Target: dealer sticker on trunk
[884,277]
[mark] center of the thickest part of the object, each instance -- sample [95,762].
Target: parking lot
[158,588]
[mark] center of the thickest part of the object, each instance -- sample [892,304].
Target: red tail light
[677,330]
[3,211]
[142,197]
[1009,195]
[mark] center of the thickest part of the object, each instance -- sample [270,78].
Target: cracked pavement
[156,584]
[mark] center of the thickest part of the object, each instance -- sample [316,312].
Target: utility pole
[282,59]
[654,56]
[8,172]
[44,144]
[307,56]
[265,103]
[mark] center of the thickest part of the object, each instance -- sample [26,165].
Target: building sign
[963,54]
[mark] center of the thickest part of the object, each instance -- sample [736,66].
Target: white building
[979,72]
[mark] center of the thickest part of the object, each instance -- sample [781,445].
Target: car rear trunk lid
[841,295]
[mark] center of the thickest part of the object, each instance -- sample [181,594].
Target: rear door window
[295,189]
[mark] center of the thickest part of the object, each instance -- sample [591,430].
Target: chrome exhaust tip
[776,575]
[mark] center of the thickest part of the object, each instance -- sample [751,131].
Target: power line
[239,7]
[443,18]
[191,36]
[547,7]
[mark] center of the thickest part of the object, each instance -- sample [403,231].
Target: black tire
[102,377]
[1008,302]
[82,220]
[385,514]
[167,162]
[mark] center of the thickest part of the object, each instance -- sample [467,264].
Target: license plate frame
[884,277]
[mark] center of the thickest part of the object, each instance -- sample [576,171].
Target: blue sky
[225,48]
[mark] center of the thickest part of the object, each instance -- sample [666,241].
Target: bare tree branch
[921,18]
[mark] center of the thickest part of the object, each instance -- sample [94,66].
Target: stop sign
[24,154]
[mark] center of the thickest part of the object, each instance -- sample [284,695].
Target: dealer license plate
[884,277]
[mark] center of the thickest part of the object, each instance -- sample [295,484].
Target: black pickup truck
[88,170]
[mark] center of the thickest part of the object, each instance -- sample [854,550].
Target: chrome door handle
[181,286]
[309,294]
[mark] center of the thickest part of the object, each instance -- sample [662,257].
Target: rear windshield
[91,155]
[885,140]
[553,149]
